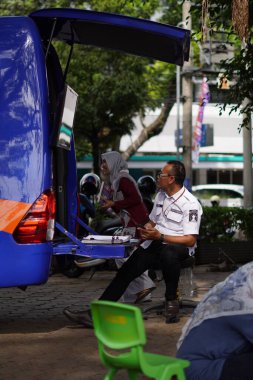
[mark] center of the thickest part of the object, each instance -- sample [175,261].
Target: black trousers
[166,257]
[238,367]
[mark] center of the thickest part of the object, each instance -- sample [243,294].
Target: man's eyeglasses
[161,174]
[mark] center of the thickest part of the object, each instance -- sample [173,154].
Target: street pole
[247,156]
[178,96]
[247,163]
[178,108]
[187,104]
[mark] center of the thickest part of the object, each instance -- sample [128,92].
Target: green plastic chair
[120,326]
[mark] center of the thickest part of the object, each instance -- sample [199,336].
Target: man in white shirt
[174,221]
[170,237]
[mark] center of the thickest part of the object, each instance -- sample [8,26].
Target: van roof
[132,35]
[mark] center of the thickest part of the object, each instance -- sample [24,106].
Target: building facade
[221,162]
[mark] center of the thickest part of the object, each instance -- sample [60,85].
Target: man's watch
[161,238]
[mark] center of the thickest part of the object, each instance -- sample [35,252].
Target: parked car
[230,195]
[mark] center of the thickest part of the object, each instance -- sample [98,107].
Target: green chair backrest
[118,326]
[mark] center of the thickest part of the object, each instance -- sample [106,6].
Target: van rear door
[128,34]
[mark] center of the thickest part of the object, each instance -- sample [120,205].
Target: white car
[230,195]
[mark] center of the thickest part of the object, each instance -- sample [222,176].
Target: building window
[225,176]
[237,177]
[211,176]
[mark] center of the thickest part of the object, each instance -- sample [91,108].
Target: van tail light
[37,226]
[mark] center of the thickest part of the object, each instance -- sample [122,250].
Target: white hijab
[118,168]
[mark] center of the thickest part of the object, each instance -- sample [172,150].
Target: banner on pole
[197,131]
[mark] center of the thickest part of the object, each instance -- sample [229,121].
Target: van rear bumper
[23,264]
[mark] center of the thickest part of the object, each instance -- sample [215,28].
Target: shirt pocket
[175,217]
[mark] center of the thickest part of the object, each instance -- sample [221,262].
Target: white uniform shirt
[177,215]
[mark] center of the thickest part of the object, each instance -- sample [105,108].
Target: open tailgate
[128,34]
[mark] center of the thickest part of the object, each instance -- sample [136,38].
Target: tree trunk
[148,131]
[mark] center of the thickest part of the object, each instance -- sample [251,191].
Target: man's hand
[149,233]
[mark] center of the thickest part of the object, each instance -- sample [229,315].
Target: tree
[161,84]
[24,7]
[170,12]
[112,89]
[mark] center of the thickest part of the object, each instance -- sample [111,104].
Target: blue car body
[35,175]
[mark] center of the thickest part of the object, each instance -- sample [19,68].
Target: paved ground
[37,342]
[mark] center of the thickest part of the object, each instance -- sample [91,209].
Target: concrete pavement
[37,341]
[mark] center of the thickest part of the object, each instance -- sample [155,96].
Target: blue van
[38,191]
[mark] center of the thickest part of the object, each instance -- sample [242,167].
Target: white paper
[104,239]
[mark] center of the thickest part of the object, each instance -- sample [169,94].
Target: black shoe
[80,317]
[171,311]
